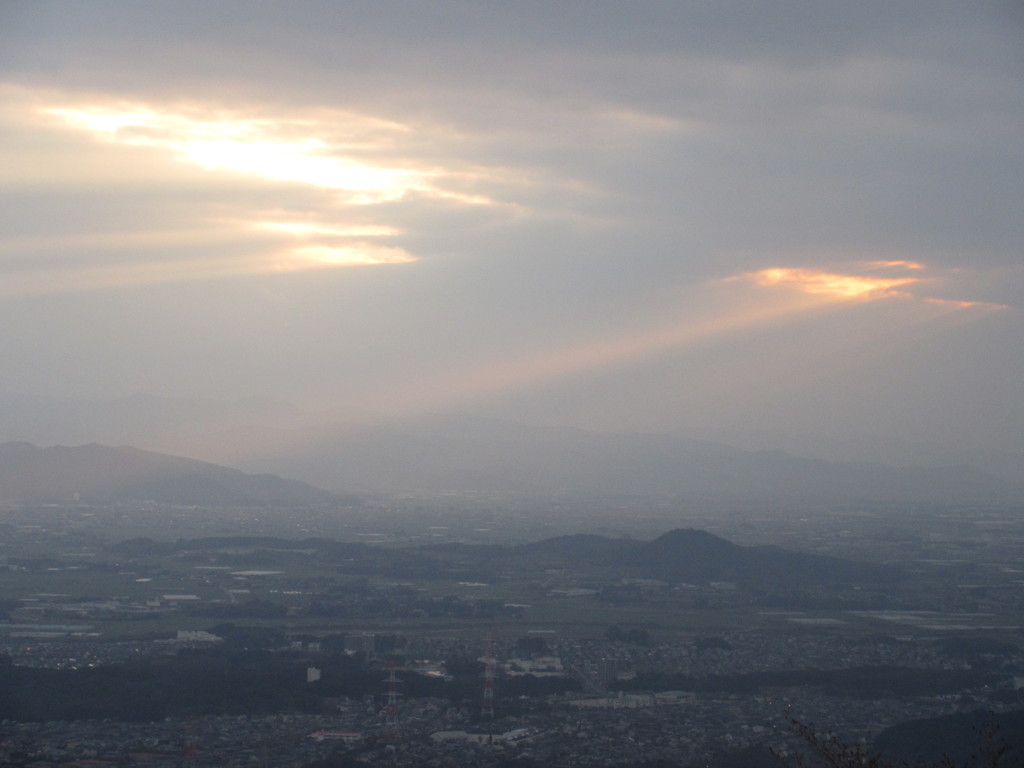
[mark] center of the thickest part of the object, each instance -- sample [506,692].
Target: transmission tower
[391,702]
[190,753]
[487,709]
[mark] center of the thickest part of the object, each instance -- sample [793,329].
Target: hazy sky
[711,218]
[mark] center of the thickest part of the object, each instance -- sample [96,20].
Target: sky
[791,224]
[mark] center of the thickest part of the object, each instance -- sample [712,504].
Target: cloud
[864,285]
[831,284]
[357,170]
[41,280]
[560,173]
[960,304]
[354,254]
[899,264]
[343,152]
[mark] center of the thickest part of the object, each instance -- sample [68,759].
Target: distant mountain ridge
[442,454]
[351,452]
[99,473]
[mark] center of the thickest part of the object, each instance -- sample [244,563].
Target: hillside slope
[99,473]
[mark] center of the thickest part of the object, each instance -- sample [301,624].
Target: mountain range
[453,454]
[346,452]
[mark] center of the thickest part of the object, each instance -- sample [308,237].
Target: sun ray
[735,313]
[455,388]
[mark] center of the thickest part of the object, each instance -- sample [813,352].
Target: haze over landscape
[524,384]
[794,229]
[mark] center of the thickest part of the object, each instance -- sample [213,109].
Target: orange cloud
[862,285]
[896,264]
[967,304]
[832,284]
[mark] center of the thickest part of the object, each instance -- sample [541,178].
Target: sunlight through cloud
[831,284]
[864,286]
[359,160]
[282,150]
[306,229]
[356,254]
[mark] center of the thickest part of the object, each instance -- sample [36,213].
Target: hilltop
[99,473]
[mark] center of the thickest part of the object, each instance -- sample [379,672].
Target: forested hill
[680,556]
[99,473]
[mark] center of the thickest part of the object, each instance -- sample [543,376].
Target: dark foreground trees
[974,740]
